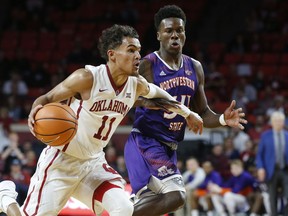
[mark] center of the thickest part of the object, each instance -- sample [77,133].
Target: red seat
[47,41]
[232,58]
[284,59]
[251,58]
[283,71]
[268,71]
[41,56]
[9,40]
[270,58]
[220,106]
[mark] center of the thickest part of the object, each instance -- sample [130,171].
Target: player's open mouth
[137,64]
[175,45]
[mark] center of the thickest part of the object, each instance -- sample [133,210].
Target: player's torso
[99,116]
[181,84]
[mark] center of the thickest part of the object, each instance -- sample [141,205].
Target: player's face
[171,34]
[127,56]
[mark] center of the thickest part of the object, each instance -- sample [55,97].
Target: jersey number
[98,135]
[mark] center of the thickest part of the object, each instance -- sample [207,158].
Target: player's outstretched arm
[231,117]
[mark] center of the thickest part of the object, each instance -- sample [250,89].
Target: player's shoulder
[95,69]
[193,60]
[151,57]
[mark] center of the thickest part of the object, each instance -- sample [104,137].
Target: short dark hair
[112,37]
[168,11]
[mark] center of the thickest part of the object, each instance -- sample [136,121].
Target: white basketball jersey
[99,116]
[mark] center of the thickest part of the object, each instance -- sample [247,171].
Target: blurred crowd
[47,39]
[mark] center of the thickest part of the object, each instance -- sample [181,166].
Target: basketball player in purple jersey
[150,151]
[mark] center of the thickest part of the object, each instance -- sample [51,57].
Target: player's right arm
[149,90]
[79,82]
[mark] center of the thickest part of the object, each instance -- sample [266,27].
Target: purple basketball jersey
[181,84]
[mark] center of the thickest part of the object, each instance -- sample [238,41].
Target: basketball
[55,124]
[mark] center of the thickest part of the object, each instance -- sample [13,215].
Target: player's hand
[160,103]
[195,123]
[234,117]
[31,118]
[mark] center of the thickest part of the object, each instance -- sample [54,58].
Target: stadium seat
[232,58]
[270,58]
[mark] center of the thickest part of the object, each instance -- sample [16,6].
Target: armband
[152,91]
[184,111]
[222,120]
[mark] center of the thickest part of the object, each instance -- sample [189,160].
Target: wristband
[185,111]
[222,120]
[152,91]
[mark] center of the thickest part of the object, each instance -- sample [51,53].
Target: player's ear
[158,36]
[111,55]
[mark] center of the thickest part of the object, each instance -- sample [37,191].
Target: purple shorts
[146,156]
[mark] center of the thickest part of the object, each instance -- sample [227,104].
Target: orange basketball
[55,124]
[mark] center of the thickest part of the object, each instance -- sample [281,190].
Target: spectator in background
[14,107]
[272,160]
[238,44]
[192,178]
[219,161]
[239,95]
[121,167]
[4,140]
[12,151]
[15,85]
[5,120]
[245,88]
[258,128]
[239,139]
[20,178]
[258,80]
[37,77]
[234,191]
[278,105]
[111,155]
[30,162]
[201,195]
[248,155]
[229,150]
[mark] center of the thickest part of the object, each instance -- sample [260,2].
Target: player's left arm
[231,116]
[149,90]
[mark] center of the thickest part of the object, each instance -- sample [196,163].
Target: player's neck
[173,60]
[118,78]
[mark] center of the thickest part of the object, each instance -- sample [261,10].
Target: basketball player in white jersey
[100,96]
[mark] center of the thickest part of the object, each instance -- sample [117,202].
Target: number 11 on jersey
[99,134]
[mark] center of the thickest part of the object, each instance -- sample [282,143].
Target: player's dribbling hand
[234,117]
[31,118]
[195,123]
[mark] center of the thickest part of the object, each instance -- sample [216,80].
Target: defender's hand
[195,123]
[234,118]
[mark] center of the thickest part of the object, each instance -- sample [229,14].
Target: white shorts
[60,176]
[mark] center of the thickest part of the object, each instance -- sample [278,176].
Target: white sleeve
[199,177]
[156,92]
